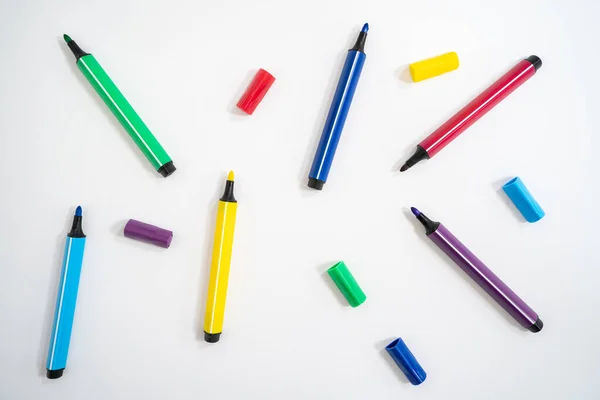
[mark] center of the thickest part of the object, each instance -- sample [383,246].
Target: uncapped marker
[122,110]
[338,111]
[68,287]
[480,273]
[476,109]
[220,263]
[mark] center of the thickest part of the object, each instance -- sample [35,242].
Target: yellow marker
[434,66]
[219,267]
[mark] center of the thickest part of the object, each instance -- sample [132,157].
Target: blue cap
[406,361]
[517,192]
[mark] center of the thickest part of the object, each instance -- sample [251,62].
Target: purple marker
[481,274]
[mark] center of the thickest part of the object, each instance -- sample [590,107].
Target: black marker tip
[361,39]
[77,52]
[76,228]
[430,226]
[419,155]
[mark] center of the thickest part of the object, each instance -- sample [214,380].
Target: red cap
[256,91]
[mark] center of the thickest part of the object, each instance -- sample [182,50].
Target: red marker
[476,109]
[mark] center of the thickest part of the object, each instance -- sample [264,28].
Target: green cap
[347,284]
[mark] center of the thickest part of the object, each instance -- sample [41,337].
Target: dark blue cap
[517,192]
[406,361]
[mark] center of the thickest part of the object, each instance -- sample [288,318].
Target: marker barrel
[120,107]
[65,307]
[485,278]
[332,131]
[483,103]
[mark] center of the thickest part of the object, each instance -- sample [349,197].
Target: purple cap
[148,233]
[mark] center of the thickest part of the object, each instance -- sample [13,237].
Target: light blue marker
[66,299]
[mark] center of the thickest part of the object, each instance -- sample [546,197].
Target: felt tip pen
[122,110]
[476,109]
[481,274]
[221,261]
[340,105]
[66,299]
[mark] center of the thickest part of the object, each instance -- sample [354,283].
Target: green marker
[120,107]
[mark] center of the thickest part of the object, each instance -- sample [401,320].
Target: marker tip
[365,27]
[67,38]
[415,211]
[230,176]
[78,211]
[404,168]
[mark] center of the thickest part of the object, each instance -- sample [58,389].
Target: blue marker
[65,302]
[338,112]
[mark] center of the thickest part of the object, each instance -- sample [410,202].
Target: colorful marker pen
[66,299]
[120,107]
[476,109]
[221,261]
[481,274]
[332,131]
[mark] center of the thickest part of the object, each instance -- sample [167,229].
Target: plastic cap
[435,66]
[148,233]
[517,192]
[344,280]
[405,360]
[255,92]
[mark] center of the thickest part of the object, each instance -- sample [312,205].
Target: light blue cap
[517,192]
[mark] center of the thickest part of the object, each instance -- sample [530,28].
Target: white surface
[183,65]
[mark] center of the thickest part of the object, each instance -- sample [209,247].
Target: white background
[288,334]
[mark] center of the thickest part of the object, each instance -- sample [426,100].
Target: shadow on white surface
[322,270]
[328,94]
[497,186]
[380,346]
[52,294]
[205,276]
[476,288]
[122,133]
[235,113]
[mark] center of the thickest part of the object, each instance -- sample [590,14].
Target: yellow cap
[435,66]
